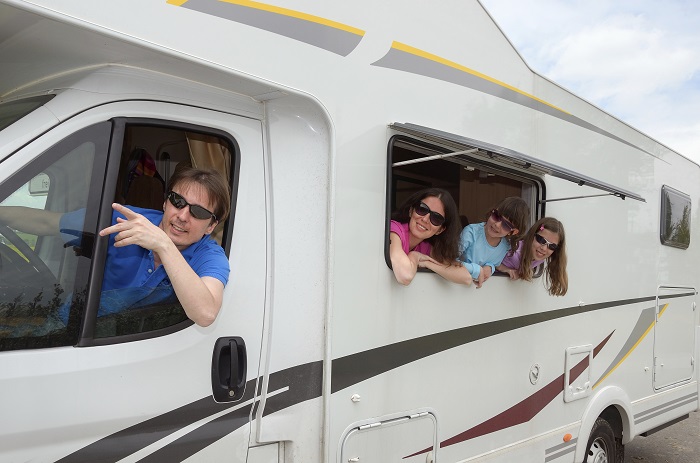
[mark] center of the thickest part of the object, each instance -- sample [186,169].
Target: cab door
[138,385]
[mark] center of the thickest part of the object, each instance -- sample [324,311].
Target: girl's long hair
[445,246]
[517,212]
[556,279]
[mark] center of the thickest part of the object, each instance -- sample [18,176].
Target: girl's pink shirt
[513,261]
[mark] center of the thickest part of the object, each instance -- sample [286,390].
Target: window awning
[479,150]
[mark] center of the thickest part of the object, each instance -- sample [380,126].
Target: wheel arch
[613,404]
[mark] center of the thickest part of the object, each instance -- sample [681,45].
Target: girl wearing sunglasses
[545,241]
[483,245]
[425,234]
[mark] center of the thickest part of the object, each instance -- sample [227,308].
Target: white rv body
[343,363]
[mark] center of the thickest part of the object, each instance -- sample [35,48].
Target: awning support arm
[432,158]
[621,196]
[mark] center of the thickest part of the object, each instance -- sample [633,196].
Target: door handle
[228,369]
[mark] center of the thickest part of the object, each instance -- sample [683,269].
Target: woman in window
[424,233]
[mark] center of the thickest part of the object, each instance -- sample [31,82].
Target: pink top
[513,261]
[401,229]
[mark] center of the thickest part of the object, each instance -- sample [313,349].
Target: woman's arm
[404,266]
[454,272]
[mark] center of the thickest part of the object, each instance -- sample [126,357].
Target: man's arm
[200,297]
[38,222]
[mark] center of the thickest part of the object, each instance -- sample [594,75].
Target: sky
[639,60]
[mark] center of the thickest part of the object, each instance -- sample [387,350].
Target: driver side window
[44,274]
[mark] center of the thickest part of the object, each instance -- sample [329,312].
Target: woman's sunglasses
[198,212]
[505,224]
[540,239]
[436,218]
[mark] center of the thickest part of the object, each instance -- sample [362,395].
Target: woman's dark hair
[445,246]
[211,181]
[517,212]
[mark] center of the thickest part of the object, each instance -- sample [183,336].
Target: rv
[324,116]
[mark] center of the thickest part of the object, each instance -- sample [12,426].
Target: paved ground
[679,443]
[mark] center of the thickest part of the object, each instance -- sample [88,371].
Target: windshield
[12,111]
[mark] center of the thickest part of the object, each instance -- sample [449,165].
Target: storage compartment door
[674,336]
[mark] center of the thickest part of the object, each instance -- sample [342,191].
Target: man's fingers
[109,230]
[125,211]
[122,223]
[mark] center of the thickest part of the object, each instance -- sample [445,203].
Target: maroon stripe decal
[523,411]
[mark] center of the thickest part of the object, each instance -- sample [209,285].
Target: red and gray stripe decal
[350,370]
[304,382]
[523,411]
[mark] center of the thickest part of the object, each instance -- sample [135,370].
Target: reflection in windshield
[12,111]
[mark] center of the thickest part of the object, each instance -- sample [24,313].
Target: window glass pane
[44,268]
[675,218]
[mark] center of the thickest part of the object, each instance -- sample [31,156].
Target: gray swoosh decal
[400,58]
[319,32]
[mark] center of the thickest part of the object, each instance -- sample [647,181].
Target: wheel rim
[598,453]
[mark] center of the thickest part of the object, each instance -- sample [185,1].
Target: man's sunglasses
[436,218]
[198,212]
[540,239]
[505,224]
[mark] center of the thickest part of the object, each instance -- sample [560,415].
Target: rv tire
[602,446]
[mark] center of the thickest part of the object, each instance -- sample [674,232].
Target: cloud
[638,60]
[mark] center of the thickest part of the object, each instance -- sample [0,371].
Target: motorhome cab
[323,118]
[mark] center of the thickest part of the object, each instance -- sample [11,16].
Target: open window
[477,174]
[475,185]
[51,278]
[151,152]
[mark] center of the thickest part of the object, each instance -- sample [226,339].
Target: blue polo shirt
[130,277]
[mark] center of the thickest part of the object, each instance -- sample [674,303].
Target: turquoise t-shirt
[476,252]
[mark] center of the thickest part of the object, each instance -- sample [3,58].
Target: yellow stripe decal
[176,2]
[295,14]
[429,56]
[648,330]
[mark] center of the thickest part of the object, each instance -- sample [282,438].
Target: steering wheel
[38,265]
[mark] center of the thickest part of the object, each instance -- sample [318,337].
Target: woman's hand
[422,260]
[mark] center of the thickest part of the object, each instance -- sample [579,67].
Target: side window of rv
[675,218]
[43,279]
[49,219]
[151,153]
[476,186]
